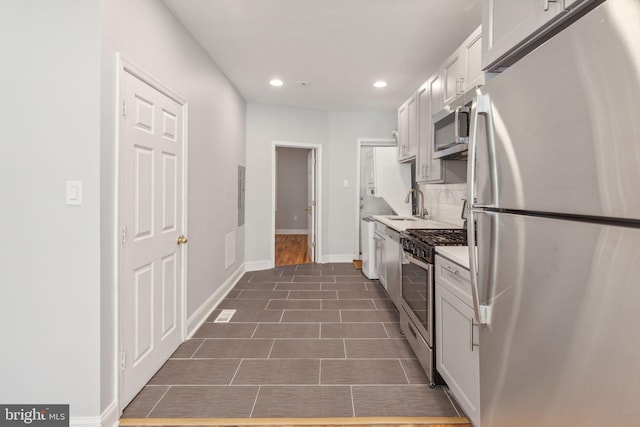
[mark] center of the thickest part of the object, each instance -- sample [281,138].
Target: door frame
[126,66]
[366,142]
[318,184]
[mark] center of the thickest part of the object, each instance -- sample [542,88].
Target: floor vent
[225,316]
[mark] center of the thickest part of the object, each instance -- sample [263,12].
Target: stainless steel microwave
[451,133]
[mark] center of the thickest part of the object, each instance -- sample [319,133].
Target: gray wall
[291,189]
[337,133]
[148,35]
[58,299]
[50,269]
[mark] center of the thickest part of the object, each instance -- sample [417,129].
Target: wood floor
[291,249]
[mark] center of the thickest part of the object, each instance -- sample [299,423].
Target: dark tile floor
[313,340]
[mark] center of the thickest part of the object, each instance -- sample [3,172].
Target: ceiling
[340,46]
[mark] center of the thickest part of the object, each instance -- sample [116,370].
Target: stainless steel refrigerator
[555,187]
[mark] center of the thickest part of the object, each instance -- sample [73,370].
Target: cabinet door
[472,50]
[508,23]
[412,143]
[424,130]
[403,130]
[380,258]
[434,170]
[451,73]
[392,253]
[457,358]
[370,167]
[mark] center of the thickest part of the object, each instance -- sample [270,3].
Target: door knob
[182,240]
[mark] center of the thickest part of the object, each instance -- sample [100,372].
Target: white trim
[292,231]
[258,265]
[366,142]
[318,216]
[205,310]
[124,65]
[85,422]
[111,416]
[339,258]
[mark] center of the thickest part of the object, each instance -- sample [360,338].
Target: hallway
[306,341]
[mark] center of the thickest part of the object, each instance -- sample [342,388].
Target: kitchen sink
[400,218]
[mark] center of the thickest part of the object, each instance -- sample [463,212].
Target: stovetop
[420,243]
[439,237]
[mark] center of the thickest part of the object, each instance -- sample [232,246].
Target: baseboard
[288,231]
[201,314]
[338,258]
[110,417]
[258,265]
[86,422]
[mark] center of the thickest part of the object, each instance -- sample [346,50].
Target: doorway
[382,181]
[151,227]
[296,203]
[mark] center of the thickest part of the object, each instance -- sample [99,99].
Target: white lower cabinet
[379,239]
[457,355]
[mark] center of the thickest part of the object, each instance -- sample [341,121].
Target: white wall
[291,189]
[340,233]
[393,179]
[50,121]
[338,134]
[148,35]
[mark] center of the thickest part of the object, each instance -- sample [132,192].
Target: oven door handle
[417,262]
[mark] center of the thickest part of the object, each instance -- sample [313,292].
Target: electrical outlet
[295,217]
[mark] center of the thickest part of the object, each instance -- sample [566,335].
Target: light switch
[345,183]
[74,193]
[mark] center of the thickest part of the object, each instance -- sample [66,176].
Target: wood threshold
[295,422]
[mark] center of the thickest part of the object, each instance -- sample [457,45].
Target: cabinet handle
[461,85]
[451,269]
[473,343]
[457,86]
[546,4]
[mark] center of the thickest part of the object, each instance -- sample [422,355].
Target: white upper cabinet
[462,71]
[408,129]
[472,51]
[451,73]
[512,28]
[435,171]
[423,155]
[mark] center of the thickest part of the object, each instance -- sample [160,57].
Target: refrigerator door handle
[482,312]
[482,107]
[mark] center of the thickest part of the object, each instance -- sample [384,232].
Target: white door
[151,225]
[311,204]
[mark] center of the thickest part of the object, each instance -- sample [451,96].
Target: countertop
[457,254]
[418,223]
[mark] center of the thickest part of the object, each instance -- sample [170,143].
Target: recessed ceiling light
[380,83]
[276,82]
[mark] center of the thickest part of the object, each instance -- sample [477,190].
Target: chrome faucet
[422,212]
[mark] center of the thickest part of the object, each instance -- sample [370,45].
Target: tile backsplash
[444,201]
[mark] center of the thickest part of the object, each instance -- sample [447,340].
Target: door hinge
[124,234]
[123,360]
[313,203]
[124,107]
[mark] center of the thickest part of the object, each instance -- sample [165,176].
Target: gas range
[420,243]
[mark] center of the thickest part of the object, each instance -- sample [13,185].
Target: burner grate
[440,237]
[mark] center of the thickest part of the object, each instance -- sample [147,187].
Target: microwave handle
[461,109]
